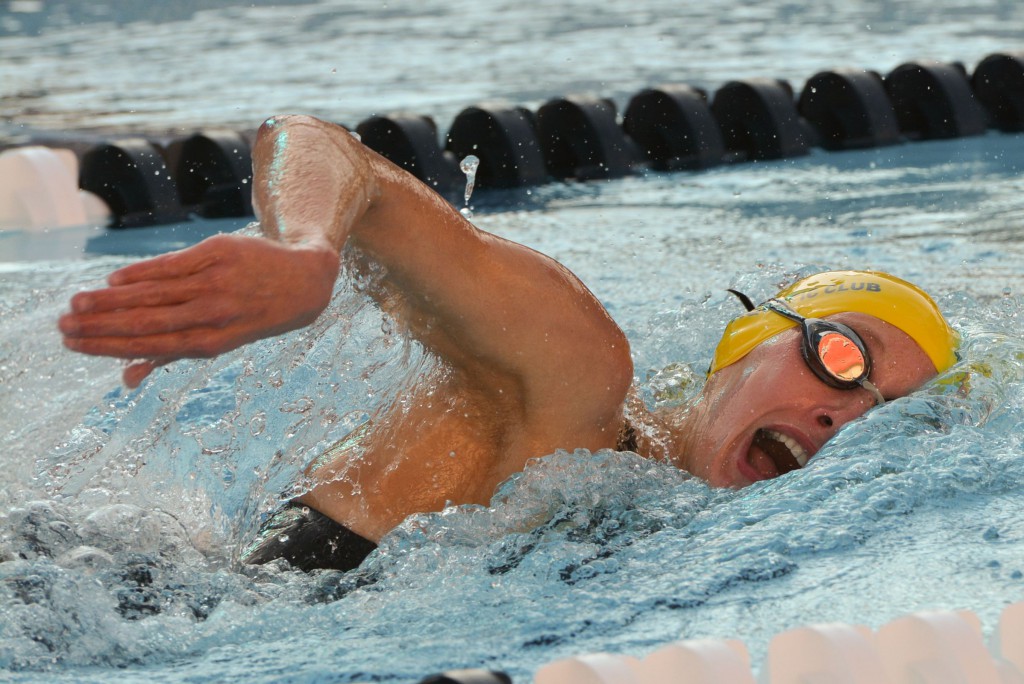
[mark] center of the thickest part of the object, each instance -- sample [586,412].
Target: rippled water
[121,513]
[157,66]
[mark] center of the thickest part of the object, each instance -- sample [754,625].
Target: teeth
[799,453]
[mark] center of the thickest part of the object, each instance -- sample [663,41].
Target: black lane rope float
[671,127]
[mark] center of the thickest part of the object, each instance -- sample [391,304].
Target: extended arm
[230,290]
[492,308]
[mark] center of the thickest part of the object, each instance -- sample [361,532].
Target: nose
[840,409]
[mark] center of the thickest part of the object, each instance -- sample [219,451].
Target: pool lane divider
[131,176]
[468,677]
[213,172]
[138,182]
[147,183]
[671,127]
[939,647]
[674,127]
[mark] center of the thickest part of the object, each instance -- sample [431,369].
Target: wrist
[320,260]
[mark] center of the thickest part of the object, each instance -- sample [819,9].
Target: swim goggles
[833,351]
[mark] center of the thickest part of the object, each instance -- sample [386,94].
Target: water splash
[468,166]
[116,545]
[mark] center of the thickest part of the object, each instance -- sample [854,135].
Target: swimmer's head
[883,296]
[762,413]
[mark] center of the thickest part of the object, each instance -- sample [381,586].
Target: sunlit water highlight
[122,513]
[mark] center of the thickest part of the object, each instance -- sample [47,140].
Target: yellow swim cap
[883,296]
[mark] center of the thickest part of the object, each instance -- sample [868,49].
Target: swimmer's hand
[202,301]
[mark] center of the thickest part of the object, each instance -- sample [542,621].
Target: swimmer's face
[768,413]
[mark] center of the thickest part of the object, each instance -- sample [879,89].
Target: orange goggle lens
[833,351]
[841,357]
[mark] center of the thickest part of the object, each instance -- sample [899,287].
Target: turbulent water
[122,513]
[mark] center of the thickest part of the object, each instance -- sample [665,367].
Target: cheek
[726,393]
[727,402]
[774,374]
[902,379]
[770,365]
[903,370]
[707,429]
[735,397]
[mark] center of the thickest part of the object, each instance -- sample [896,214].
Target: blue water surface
[122,513]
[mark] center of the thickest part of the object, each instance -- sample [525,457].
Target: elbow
[326,150]
[312,173]
[277,131]
[275,124]
[274,130]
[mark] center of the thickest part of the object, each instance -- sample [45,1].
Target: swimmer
[532,362]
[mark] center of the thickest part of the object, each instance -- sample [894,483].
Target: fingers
[166,279]
[173,265]
[142,294]
[144,321]
[137,371]
[160,348]
[223,293]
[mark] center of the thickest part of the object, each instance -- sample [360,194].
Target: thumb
[136,372]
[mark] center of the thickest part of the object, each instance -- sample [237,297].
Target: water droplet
[468,166]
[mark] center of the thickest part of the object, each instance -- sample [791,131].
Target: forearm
[313,181]
[312,185]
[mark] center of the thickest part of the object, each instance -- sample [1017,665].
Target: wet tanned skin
[533,362]
[530,362]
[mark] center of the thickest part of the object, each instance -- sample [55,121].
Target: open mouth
[773,453]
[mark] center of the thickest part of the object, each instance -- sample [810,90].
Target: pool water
[122,513]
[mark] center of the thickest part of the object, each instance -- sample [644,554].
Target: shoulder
[582,383]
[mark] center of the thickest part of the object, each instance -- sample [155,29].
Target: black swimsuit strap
[308,540]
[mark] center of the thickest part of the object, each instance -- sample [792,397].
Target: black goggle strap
[811,349]
[781,307]
[744,299]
